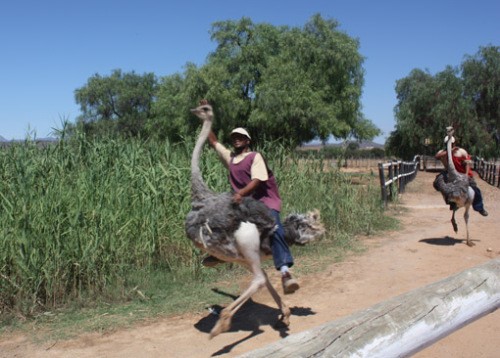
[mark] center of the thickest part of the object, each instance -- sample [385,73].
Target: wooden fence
[394,176]
[488,171]
[430,163]
[402,325]
[365,163]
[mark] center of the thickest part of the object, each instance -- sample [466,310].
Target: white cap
[242,131]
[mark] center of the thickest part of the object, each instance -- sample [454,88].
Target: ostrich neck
[452,171]
[199,190]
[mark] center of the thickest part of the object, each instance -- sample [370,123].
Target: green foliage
[88,220]
[286,84]
[119,103]
[77,215]
[469,101]
[341,152]
[282,83]
[481,76]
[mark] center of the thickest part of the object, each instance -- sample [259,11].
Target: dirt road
[425,250]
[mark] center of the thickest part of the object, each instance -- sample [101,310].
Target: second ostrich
[456,188]
[238,233]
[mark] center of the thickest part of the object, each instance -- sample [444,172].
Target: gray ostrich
[238,233]
[455,189]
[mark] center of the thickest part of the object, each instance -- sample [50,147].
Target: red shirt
[460,165]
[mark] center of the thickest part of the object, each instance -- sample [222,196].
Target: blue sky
[50,48]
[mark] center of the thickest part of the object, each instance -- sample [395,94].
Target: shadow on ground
[442,241]
[249,317]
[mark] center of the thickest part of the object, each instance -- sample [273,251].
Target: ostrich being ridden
[455,186]
[238,232]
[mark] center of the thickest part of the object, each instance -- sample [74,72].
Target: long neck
[451,166]
[199,189]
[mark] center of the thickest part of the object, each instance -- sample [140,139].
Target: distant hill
[368,144]
[364,144]
[41,142]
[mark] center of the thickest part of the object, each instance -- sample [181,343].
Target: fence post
[491,179]
[391,178]
[498,177]
[382,183]
[398,174]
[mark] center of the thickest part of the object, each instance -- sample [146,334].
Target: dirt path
[424,251]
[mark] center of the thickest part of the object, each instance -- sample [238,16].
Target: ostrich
[238,233]
[456,188]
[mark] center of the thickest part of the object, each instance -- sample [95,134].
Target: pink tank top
[266,192]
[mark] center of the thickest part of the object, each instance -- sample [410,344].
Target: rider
[460,158]
[250,176]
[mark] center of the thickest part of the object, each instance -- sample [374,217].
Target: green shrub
[79,219]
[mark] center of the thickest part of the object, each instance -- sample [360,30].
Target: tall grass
[81,219]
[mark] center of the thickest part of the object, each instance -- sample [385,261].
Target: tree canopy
[120,103]
[467,98]
[282,83]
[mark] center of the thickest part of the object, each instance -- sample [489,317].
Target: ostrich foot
[285,317]
[470,243]
[455,226]
[222,325]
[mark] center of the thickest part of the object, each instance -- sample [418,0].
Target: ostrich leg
[466,218]
[247,238]
[454,222]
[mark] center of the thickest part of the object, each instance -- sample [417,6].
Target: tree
[119,103]
[281,83]
[481,75]
[426,106]
[470,102]
[416,95]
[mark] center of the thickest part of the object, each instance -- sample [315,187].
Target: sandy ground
[424,251]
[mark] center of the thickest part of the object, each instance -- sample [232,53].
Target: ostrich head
[449,135]
[204,111]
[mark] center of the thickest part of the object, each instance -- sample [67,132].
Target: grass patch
[92,232]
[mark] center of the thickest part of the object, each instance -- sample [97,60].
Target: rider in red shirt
[461,159]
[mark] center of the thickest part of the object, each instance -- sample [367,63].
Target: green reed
[81,218]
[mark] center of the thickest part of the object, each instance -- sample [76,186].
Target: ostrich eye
[205,109]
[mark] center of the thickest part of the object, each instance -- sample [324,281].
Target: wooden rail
[403,325]
[430,163]
[488,171]
[395,175]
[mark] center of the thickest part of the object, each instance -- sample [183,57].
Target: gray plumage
[301,229]
[455,188]
[215,217]
[211,224]
[238,232]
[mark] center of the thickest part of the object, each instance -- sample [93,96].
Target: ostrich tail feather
[301,229]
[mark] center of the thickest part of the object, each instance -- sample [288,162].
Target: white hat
[242,131]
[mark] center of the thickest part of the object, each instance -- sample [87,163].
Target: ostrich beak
[195,111]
